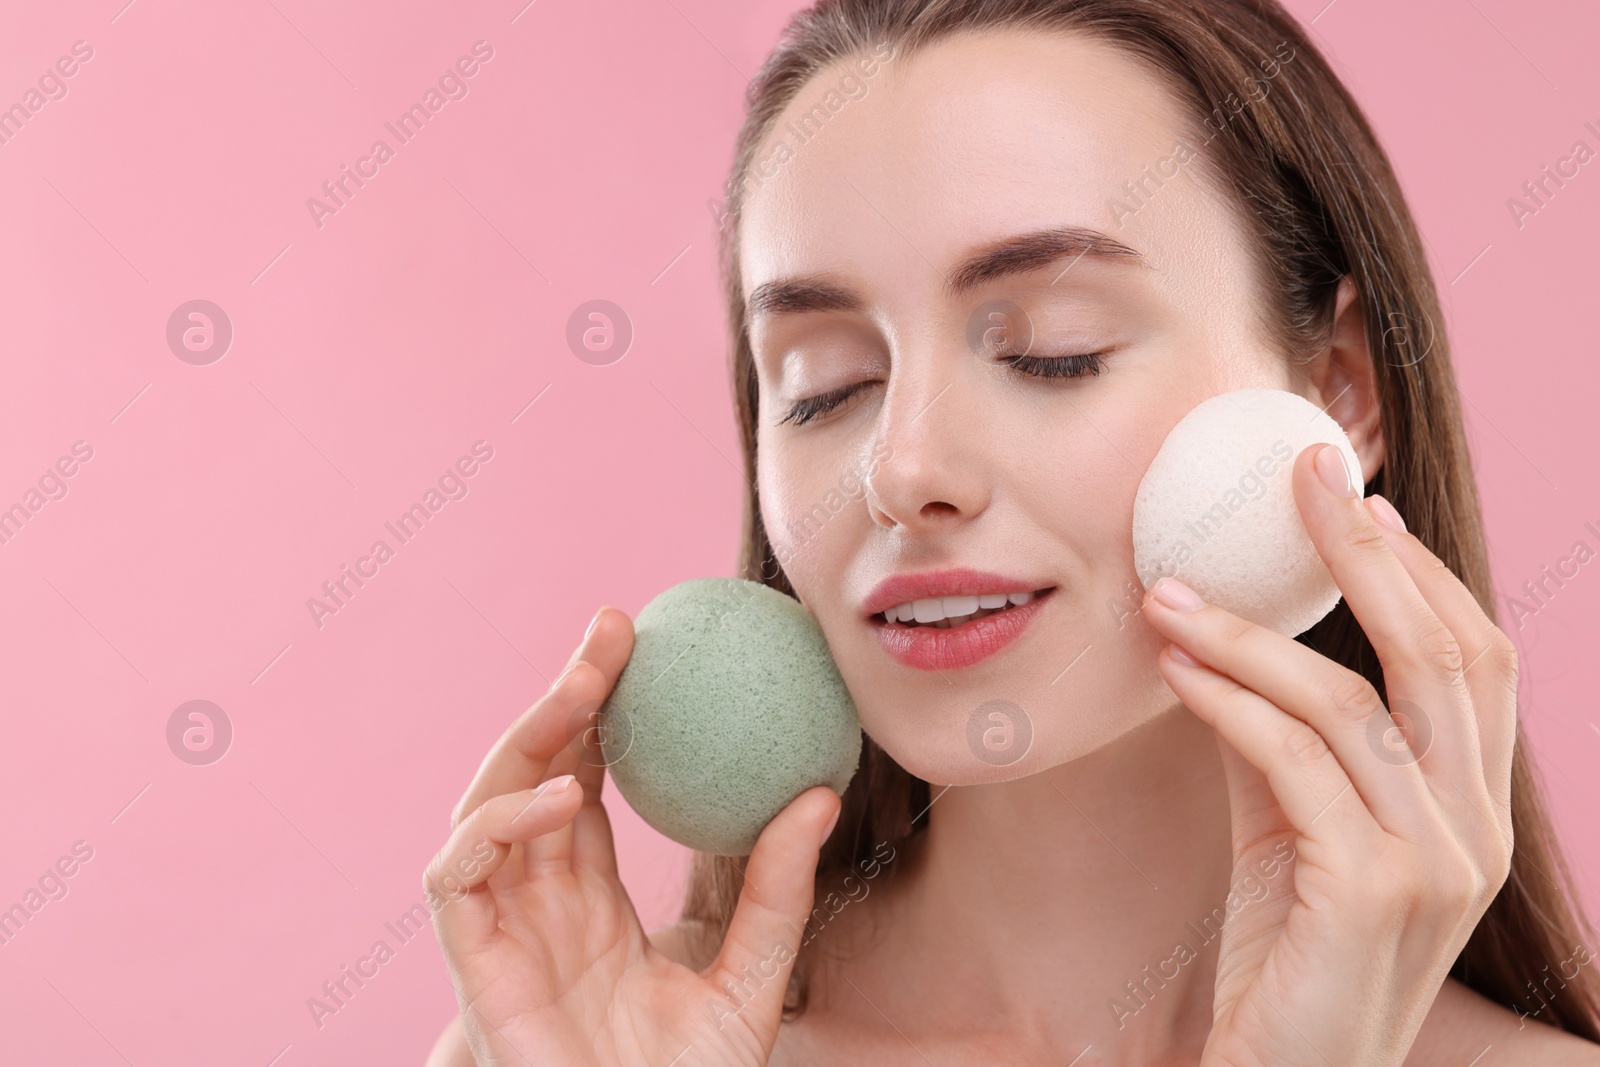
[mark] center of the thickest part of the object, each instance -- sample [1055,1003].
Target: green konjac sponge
[729,707]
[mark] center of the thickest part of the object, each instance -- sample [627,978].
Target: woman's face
[876,266]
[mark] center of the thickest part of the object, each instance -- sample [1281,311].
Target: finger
[554,851]
[752,969]
[557,850]
[520,759]
[1339,704]
[593,847]
[1420,654]
[1313,790]
[1256,815]
[608,643]
[587,843]
[1489,656]
[1264,840]
[463,909]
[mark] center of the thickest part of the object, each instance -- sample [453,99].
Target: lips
[958,642]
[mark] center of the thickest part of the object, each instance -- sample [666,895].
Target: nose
[935,474]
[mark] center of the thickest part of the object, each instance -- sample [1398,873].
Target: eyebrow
[1019,254]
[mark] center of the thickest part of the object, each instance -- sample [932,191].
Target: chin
[956,740]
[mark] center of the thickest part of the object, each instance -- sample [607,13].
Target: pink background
[424,316]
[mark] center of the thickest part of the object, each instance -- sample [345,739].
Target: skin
[1149,788]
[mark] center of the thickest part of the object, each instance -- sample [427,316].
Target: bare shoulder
[1464,1027]
[686,942]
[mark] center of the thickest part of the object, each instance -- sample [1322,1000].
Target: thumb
[751,973]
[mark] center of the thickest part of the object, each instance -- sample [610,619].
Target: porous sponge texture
[1216,508]
[729,707]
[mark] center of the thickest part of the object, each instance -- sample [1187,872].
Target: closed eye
[813,406]
[1075,366]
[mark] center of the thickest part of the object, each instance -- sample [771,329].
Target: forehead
[976,137]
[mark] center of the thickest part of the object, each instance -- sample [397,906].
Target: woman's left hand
[1401,839]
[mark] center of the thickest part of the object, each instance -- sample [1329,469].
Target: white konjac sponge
[730,706]
[1216,508]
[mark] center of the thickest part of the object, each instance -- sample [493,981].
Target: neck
[1081,905]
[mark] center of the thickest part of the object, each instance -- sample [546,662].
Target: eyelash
[1055,366]
[813,406]
[1075,366]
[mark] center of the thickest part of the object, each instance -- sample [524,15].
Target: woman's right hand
[549,961]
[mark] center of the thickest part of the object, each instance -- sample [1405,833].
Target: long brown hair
[1301,161]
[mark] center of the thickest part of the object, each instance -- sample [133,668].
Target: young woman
[981,255]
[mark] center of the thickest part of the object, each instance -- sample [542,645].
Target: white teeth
[953,610]
[959,605]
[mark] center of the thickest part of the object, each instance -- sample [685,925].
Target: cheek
[1081,469]
[806,507]
[781,485]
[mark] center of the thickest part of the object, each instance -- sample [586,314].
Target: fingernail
[831,824]
[1335,474]
[1177,653]
[594,621]
[564,675]
[1385,513]
[1175,595]
[554,785]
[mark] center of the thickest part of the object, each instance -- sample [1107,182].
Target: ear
[1342,380]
